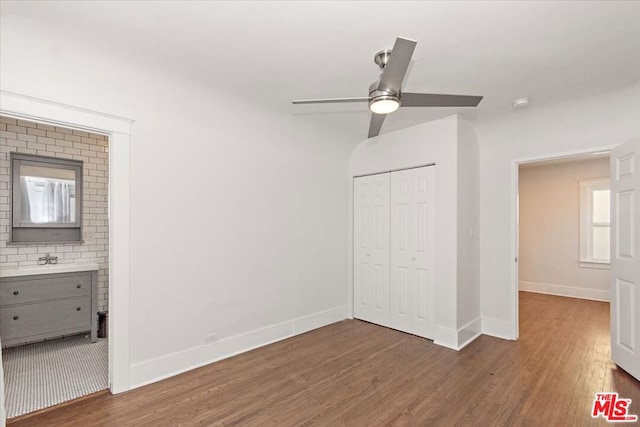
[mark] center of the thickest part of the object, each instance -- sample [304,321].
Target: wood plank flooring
[358,374]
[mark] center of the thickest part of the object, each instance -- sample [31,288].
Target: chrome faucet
[47,259]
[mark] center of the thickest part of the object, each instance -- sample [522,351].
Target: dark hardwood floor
[355,373]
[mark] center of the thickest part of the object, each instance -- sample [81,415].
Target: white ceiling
[278,51]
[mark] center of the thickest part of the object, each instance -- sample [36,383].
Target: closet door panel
[401,284]
[371,248]
[380,249]
[423,255]
[362,266]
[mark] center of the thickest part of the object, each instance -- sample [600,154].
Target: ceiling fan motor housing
[377,94]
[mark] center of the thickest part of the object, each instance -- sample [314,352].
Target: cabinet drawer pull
[78,308]
[78,286]
[16,292]
[16,317]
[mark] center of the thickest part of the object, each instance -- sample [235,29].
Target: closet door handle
[16,317]
[16,292]
[78,308]
[78,286]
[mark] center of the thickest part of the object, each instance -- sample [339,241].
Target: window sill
[604,265]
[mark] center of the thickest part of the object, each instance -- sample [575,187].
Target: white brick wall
[35,138]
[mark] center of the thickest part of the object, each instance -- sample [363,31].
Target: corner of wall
[468,250]
[469,332]
[446,337]
[460,338]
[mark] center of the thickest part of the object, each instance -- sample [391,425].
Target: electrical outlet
[210,339]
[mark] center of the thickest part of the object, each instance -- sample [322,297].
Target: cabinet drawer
[42,318]
[26,290]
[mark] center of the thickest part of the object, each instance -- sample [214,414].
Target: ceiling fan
[385,95]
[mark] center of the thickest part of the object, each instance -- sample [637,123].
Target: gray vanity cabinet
[38,307]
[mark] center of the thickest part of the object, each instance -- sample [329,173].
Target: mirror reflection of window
[46,199]
[48,195]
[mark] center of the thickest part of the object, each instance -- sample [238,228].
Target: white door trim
[119,130]
[515,164]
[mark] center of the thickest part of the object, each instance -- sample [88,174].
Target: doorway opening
[562,230]
[611,233]
[55,286]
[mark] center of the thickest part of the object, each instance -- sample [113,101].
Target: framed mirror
[46,199]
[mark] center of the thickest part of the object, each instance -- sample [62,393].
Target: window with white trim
[595,225]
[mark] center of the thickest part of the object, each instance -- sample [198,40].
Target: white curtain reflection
[47,200]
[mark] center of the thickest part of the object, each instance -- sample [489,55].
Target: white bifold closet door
[412,251]
[371,248]
[401,288]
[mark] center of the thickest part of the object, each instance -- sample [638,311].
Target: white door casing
[412,251]
[625,260]
[371,248]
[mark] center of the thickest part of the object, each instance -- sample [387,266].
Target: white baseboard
[458,339]
[318,320]
[446,337]
[565,291]
[469,332]
[153,370]
[497,328]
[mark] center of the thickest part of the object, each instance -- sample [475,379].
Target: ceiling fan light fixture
[384,104]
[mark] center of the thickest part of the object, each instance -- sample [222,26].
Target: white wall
[576,125]
[436,142]
[549,236]
[259,258]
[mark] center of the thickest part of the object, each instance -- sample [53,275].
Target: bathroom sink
[46,269]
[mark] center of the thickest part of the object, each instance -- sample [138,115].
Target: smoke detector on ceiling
[521,103]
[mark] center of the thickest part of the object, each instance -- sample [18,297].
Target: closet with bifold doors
[394,220]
